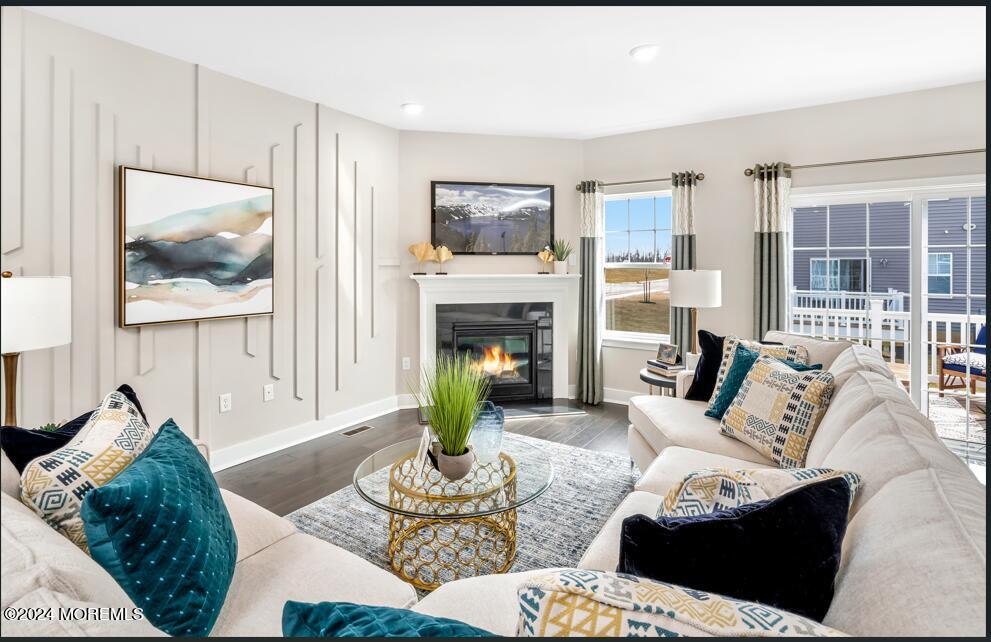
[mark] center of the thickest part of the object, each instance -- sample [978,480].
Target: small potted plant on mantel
[562,250]
[451,398]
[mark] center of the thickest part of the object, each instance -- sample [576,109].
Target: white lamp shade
[36,312]
[696,288]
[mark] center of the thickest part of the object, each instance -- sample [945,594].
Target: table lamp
[696,289]
[35,313]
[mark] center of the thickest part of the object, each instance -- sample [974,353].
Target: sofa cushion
[256,528]
[161,529]
[675,463]
[347,620]
[798,354]
[862,392]
[581,603]
[33,555]
[669,421]
[858,358]
[778,410]
[783,552]
[603,553]
[822,351]
[306,569]
[891,440]
[489,602]
[55,485]
[915,560]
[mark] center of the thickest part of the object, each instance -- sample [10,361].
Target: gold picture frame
[667,353]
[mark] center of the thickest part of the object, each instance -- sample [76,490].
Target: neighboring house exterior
[861,251]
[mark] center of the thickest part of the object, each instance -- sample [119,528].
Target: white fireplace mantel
[561,290]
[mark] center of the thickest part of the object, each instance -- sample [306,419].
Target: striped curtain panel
[682,251]
[591,301]
[772,212]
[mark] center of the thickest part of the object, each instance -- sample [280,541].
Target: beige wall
[925,121]
[91,103]
[425,157]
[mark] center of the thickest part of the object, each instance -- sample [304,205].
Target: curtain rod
[750,170]
[699,177]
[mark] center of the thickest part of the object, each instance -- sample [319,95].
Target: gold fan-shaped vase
[546,256]
[441,256]
[421,252]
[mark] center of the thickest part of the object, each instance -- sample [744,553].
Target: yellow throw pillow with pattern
[54,485]
[777,410]
[798,354]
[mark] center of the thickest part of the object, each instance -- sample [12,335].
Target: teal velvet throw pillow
[743,360]
[161,529]
[347,620]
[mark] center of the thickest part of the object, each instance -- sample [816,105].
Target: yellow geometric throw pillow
[777,410]
[581,603]
[54,485]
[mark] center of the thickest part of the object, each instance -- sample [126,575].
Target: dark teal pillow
[743,360]
[347,620]
[161,529]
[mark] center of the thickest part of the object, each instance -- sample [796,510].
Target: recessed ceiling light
[412,109]
[644,53]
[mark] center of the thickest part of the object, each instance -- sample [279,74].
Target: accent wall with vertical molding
[75,106]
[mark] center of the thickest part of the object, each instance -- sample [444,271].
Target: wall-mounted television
[491,218]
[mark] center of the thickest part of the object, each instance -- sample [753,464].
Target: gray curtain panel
[772,213]
[591,301]
[682,251]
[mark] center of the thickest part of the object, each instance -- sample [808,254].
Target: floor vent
[356,431]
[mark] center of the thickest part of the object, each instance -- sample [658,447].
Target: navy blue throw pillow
[23,445]
[783,552]
[347,620]
[707,369]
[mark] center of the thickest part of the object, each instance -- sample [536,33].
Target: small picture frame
[667,353]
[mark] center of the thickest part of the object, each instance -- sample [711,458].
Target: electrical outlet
[573,259]
[268,392]
[225,402]
[406,363]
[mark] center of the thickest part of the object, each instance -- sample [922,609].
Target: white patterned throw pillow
[777,410]
[54,485]
[712,489]
[798,354]
[582,603]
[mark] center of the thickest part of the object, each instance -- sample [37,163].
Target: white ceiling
[562,71]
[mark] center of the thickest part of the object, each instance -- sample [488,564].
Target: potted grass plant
[451,396]
[562,250]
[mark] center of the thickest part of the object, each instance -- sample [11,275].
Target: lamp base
[10,388]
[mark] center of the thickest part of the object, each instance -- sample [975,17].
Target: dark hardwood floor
[302,474]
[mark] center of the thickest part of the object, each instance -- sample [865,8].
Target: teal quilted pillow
[347,620]
[743,360]
[161,529]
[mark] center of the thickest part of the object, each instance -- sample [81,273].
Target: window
[638,259]
[940,273]
[838,275]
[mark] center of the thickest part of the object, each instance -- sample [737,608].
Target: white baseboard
[615,395]
[267,444]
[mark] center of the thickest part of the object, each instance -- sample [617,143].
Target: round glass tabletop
[391,480]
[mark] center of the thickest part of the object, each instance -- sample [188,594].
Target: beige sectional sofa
[914,556]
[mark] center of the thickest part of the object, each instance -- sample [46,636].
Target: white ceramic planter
[560,267]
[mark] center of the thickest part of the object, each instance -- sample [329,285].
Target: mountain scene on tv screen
[492,219]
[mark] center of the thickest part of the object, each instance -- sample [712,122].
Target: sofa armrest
[203,448]
[682,382]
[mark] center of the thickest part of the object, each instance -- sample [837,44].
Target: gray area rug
[553,530]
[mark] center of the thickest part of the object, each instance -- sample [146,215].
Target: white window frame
[623,338]
[937,295]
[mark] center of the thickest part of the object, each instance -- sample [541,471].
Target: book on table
[664,368]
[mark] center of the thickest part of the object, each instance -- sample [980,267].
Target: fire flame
[496,362]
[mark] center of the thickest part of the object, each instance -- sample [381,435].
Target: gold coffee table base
[427,552]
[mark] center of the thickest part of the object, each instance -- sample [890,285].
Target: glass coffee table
[442,530]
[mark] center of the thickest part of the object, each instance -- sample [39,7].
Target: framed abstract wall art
[192,248]
[491,218]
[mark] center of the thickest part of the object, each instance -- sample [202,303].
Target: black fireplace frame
[497,329]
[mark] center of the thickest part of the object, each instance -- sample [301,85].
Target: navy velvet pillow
[743,360]
[707,369]
[23,445]
[347,620]
[783,552]
[161,529]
